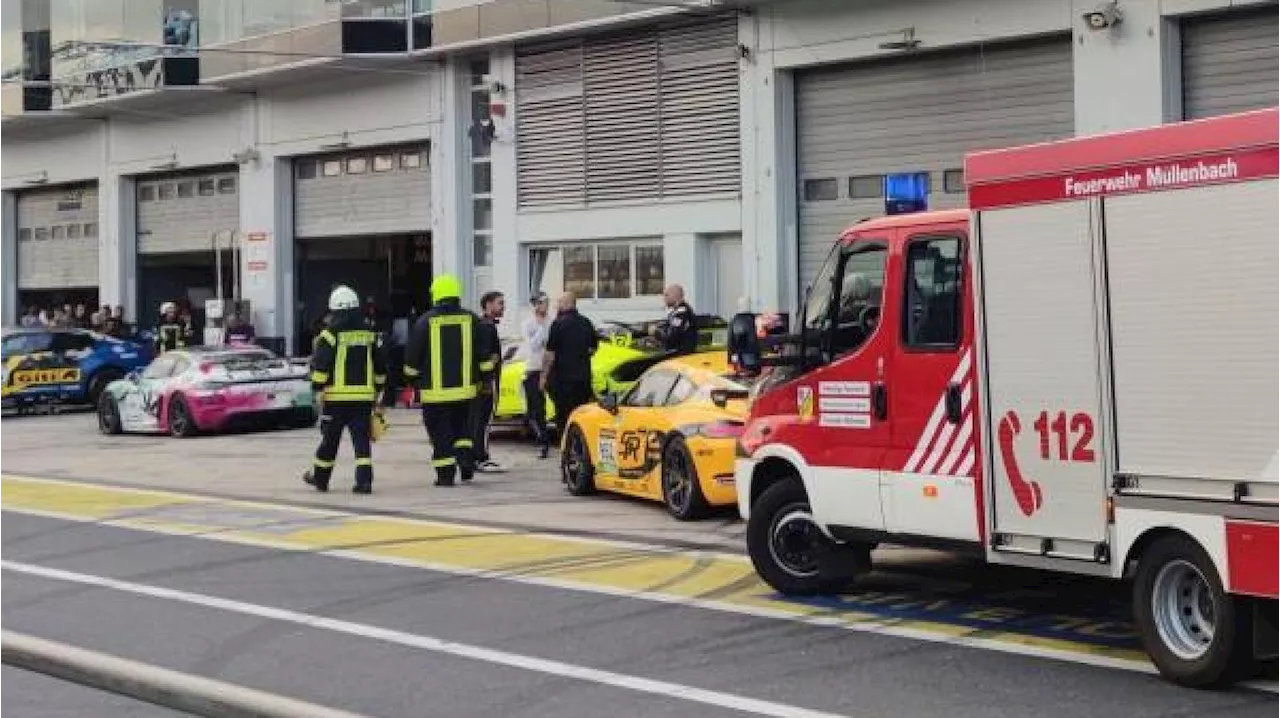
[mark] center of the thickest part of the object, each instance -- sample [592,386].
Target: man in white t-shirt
[533,335]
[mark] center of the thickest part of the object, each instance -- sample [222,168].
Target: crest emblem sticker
[804,402]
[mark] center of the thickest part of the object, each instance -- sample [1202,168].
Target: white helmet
[167,307]
[343,297]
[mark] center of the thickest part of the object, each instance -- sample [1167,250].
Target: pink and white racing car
[208,389]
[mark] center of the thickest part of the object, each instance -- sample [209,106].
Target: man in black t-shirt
[681,333]
[566,362]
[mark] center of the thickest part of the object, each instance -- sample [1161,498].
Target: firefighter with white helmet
[348,368]
[171,333]
[441,359]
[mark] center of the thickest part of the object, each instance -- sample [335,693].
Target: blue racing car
[63,366]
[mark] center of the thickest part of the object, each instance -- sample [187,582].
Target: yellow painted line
[652,573]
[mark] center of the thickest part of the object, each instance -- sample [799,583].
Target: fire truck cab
[1077,374]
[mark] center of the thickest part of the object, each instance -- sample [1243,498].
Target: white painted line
[436,645]
[888,626]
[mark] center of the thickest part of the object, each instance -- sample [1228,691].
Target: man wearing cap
[534,335]
[441,359]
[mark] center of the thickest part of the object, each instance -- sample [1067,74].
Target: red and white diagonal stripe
[946,449]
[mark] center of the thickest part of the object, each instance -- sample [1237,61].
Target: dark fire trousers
[448,426]
[481,419]
[354,416]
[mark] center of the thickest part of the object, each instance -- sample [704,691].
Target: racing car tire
[580,482]
[185,426]
[676,456]
[818,565]
[99,381]
[109,416]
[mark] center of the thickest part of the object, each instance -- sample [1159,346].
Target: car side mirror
[609,402]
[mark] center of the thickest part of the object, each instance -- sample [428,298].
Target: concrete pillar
[507,262]
[767,130]
[266,248]
[118,246]
[9,261]
[680,256]
[1128,75]
[450,220]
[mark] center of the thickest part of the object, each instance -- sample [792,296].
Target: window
[481,178]
[71,342]
[24,234]
[306,169]
[357,165]
[410,160]
[483,209]
[953,181]
[483,251]
[90,229]
[58,232]
[331,168]
[186,189]
[42,233]
[681,392]
[161,368]
[384,163]
[146,193]
[613,272]
[167,191]
[819,190]
[866,187]
[73,231]
[206,187]
[650,271]
[652,389]
[931,317]
[580,270]
[28,343]
[227,185]
[861,295]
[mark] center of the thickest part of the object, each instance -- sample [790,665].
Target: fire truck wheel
[791,552]
[575,464]
[1195,632]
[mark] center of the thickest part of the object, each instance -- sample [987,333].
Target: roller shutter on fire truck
[922,113]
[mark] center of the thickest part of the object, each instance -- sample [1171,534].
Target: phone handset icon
[1025,492]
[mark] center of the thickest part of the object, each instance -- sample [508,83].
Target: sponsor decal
[24,378]
[856,404]
[845,421]
[604,450]
[844,388]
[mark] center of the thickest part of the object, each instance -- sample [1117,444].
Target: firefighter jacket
[171,335]
[348,363]
[441,357]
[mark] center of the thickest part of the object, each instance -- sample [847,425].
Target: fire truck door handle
[880,401]
[953,403]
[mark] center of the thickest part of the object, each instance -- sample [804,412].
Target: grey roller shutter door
[385,196]
[649,114]
[58,238]
[550,147]
[919,114]
[181,213]
[1229,63]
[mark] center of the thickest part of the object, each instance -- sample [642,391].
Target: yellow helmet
[445,286]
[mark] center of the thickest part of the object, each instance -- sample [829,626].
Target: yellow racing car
[670,438]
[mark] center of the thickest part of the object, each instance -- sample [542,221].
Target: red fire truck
[1078,374]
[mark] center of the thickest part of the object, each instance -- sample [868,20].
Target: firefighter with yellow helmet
[441,361]
[348,369]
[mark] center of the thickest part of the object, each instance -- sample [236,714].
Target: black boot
[444,476]
[364,480]
[317,478]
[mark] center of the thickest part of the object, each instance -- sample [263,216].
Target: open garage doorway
[181,277]
[393,270]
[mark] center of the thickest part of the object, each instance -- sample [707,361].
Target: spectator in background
[80,319]
[96,321]
[31,318]
[238,331]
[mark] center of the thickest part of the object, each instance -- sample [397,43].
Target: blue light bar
[906,193]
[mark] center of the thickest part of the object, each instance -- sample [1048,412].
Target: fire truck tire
[791,552]
[1196,633]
